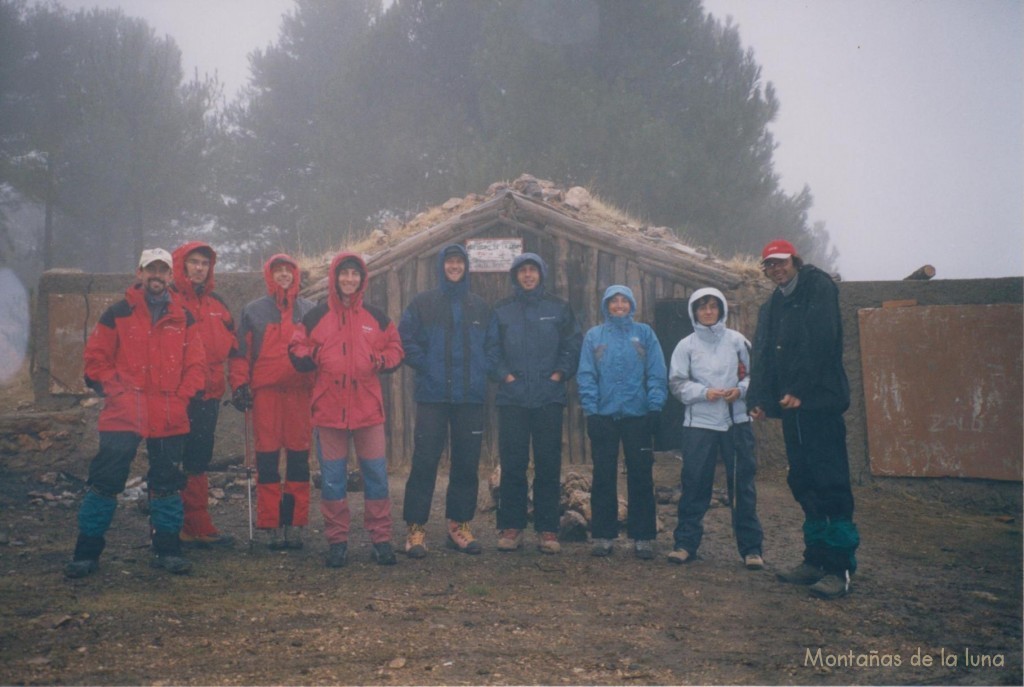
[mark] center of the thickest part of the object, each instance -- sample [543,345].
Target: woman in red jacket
[348,344]
[264,379]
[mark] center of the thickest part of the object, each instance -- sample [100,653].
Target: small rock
[397,663]
[572,527]
[577,198]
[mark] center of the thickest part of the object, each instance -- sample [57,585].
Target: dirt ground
[937,601]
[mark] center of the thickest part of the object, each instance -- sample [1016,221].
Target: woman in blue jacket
[622,385]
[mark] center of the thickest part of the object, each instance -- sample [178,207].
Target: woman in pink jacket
[348,344]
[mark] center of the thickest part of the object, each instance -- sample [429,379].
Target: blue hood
[528,257]
[453,289]
[614,290]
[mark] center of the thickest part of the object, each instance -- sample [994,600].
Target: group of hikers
[307,376]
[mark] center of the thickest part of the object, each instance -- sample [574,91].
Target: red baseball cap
[779,249]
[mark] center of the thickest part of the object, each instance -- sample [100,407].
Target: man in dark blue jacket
[444,334]
[539,351]
[797,375]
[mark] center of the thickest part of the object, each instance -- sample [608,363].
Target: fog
[903,116]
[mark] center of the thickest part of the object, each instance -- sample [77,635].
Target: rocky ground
[937,600]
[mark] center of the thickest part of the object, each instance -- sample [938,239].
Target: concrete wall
[854,296]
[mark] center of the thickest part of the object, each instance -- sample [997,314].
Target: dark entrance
[671,324]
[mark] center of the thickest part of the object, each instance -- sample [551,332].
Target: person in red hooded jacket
[193,287]
[145,359]
[348,343]
[264,379]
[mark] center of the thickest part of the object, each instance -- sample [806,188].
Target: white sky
[905,117]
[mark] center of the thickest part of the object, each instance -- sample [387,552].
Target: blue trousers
[701,448]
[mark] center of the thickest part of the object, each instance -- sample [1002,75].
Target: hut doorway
[671,325]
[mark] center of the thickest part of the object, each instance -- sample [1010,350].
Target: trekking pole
[248,462]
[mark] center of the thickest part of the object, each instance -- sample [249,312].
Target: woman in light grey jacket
[709,375]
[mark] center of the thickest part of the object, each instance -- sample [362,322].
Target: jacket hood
[460,287]
[333,297]
[723,306]
[528,257]
[181,281]
[614,290]
[281,296]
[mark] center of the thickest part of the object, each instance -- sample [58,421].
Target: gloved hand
[242,398]
[653,422]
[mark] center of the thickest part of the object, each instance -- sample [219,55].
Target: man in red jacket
[193,287]
[145,358]
[264,379]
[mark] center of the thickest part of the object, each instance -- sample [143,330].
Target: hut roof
[538,207]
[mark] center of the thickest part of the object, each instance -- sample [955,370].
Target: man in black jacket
[797,375]
[539,350]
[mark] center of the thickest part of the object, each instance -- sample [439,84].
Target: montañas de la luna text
[876,659]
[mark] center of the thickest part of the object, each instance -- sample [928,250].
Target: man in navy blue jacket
[539,350]
[444,334]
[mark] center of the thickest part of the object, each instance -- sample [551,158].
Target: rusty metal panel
[72,317]
[943,390]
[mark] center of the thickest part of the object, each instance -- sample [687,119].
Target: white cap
[155,255]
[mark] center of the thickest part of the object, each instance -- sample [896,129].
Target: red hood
[280,296]
[181,282]
[333,297]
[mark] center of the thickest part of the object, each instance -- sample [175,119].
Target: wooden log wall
[577,271]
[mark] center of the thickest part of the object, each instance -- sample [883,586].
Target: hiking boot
[753,561]
[207,541]
[383,554]
[680,556]
[416,541]
[176,565]
[644,549]
[832,586]
[82,568]
[292,538]
[805,573]
[461,538]
[510,540]
[337,555]
[548,543]
[272,538]
[602,548]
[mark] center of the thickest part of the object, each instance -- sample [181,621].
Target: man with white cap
[797,375]
[146,360]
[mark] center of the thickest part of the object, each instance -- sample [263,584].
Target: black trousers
[606,434]
[435,422]
[202,419]
[518,429]
[819,477]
